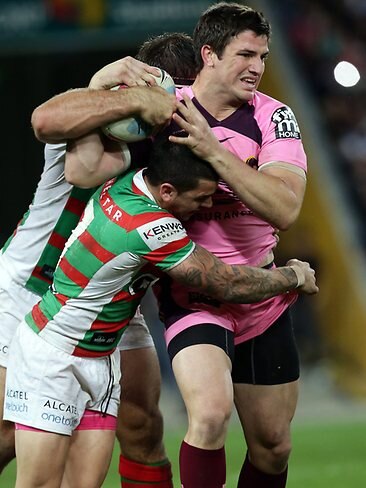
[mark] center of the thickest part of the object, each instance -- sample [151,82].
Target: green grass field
[323,455]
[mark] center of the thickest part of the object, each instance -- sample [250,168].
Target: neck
[213,97]
[153,190]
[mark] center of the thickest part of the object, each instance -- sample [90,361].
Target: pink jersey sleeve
[281,138]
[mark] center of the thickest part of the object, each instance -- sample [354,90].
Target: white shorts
[137,334]
[15,302]
[48,389]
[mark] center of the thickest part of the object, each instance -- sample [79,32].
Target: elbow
[40,124]
[283,225]
[285,221]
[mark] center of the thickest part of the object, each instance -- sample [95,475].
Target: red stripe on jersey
[57,240]
[85,353]
[62,299]
[39,317]
[37,273]
[75,206]
[73,274]
[120,217]
[109,326]
[160,254]
[137,190]
[127,297]
[95,248]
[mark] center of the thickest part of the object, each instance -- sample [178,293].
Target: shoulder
[261,101]
[270,112]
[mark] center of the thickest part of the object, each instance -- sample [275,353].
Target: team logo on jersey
[252,162]
[142,283]
[286,124]
[159,233]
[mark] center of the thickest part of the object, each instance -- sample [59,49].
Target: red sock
[201,468]
[137,475]
[251,477]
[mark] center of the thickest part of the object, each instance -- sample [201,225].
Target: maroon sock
[202,468]
[251,477]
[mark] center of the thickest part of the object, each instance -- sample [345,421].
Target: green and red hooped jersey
[30,255]
[121,245]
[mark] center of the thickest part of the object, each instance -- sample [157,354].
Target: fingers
[128,71]
[181,121]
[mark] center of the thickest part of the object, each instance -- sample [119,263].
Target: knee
[136,416]
[272,451]
[280,453]
[140,433]
[210,425]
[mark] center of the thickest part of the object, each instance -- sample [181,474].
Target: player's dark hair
[173,52]
[178,165]
[221,22]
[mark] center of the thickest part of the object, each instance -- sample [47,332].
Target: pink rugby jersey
[259,133]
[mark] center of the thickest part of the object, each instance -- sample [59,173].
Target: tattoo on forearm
[236,284]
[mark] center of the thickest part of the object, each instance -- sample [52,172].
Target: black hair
[221,22]
[173,52]
[178,165]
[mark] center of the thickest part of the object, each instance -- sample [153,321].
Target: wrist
[300,275]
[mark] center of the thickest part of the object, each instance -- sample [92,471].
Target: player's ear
[208,55]
[168,192]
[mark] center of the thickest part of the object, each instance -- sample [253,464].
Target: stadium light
[346,74]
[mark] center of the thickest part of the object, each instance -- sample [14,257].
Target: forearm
[235,284]
[239,284]
[77,112]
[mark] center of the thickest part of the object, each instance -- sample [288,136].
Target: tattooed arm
[242,284]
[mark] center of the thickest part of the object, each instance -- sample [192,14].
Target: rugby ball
[132,129]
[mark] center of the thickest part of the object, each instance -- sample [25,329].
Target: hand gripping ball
[132,129]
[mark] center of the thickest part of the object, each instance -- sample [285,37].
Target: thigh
[41,389]
[32,470]
[140,380]
[88,458]
[265,376]
[49,389]
[137,334]
[270,358]
[203,376]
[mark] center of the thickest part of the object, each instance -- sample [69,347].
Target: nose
[257,66]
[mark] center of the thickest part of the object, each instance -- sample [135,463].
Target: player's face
[241,66]
[186,203]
